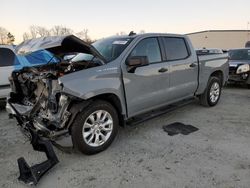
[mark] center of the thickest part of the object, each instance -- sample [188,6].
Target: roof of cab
[148,35]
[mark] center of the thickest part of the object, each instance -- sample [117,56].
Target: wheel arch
[115,102]
[204,79]
[218,74]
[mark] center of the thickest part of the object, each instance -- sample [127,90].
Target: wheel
[212,93]
[248,86]
[95,128]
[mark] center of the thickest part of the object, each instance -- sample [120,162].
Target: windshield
[243,54]
[109,48]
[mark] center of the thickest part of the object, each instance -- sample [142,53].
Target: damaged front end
[37,99]
[38,102]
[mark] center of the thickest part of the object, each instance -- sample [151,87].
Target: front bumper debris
[32,174]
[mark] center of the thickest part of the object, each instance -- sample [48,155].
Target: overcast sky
[107,17]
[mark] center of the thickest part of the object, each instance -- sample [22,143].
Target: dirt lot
[218,155]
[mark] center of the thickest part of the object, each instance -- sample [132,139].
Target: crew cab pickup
[108,83]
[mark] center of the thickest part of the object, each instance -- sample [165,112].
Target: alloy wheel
[97,128]
[214,93]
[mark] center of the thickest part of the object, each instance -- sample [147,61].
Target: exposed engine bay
[37,95]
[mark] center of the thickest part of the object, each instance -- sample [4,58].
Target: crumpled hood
[57,45]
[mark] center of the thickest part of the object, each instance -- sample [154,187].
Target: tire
[90,135]
[2,104]
[208,98]
[248,86]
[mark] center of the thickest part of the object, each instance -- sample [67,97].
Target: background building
[224,39]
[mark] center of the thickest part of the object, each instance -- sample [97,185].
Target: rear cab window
[175,48]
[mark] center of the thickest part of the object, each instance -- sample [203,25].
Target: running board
[155,113]
[32,174]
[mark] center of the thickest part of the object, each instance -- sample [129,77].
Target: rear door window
[175,48]
[7,57]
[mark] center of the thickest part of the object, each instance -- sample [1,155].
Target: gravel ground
[217,155]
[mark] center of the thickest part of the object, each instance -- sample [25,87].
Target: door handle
[192,65]
[163,70]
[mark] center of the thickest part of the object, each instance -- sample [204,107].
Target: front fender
[92,82]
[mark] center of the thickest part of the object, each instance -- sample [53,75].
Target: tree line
[35,31]
[6,37]
[57,30]
[39,31]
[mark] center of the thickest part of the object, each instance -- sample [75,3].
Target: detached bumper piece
[32,174]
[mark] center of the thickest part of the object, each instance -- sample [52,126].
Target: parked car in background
[10,61]
[209,51]
[239,66]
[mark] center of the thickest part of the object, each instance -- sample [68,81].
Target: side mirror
[137,61]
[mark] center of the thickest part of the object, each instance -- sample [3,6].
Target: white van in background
[7,61]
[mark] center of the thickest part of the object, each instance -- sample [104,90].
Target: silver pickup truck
[108,84]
